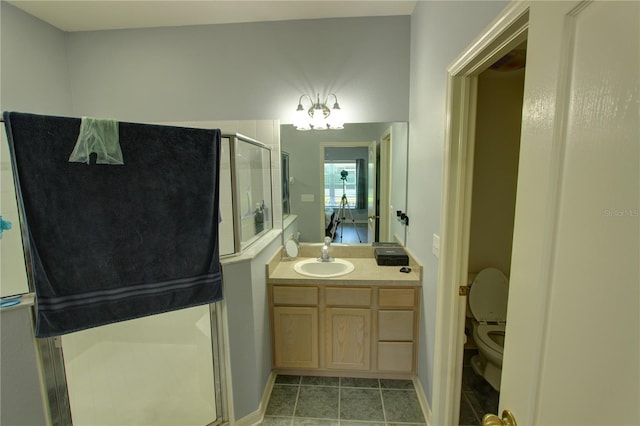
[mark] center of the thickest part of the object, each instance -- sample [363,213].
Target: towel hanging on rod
[106,244]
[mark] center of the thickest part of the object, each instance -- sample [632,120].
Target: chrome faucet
[325,251]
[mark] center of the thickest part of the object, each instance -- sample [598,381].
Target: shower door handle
[492,420]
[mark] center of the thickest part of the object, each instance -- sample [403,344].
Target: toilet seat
[488,304]
[482,334]
[488,296]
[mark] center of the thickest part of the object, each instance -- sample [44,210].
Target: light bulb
[301,120]
[318,121]
[336,120]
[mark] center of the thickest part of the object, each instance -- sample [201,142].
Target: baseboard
[257,416]
[422,398]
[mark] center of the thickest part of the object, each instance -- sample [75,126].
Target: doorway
[348,191]
[462,108]
[498,120]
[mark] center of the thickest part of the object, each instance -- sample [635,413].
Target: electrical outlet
[435,248]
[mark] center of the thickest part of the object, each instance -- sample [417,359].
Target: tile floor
[478,397]
[308,400]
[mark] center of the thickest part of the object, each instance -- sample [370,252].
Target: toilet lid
[488,296]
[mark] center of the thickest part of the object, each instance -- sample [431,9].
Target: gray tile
[356,382]
[282,400]
[287,380]
[406,424]
[361,404]
[396,384]
[402,406]
[475,382]
[320,381]
[482,404]
[303,421]
[467,415]
[488,399]
[360,423]
[276,421]
[318,402]
[469,379]
[468,354]
[476,393]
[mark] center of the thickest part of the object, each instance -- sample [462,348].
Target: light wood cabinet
[396,356]
[366,331]
[348,338]
[295,335]
[395,325]
[397,297]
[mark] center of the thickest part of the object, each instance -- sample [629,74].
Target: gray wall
[22,402]
[242,71]
[245,289]
[35,77]
[439,32]
[495,169]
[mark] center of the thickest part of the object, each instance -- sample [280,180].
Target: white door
[371,193]
[573,328]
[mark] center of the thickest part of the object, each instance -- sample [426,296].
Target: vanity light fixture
[318,116]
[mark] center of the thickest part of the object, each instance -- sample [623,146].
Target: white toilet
[488,304]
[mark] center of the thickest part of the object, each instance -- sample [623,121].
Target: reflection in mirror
[284,163]
[386,181]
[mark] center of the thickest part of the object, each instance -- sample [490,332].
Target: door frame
[506,32]
[384,191]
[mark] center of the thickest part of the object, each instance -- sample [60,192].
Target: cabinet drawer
[335,296]
[395,325]
[397,297]
[285,295]
[395,356]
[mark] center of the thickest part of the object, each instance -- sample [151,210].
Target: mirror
[308,185]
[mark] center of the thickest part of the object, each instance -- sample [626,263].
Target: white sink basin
[315,268]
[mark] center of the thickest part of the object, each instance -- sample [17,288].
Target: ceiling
[91,15]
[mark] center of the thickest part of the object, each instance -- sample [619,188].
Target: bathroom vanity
[362,324]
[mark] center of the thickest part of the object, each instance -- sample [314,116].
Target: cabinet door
[348,338]
[295,335]
[396,356]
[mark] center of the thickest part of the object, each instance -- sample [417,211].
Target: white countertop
[366,272]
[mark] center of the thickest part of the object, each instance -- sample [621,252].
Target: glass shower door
[156,370]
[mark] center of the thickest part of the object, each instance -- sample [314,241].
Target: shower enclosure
[246,206]
[165,369]
[156,370]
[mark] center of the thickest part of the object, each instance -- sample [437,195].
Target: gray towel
[107,243]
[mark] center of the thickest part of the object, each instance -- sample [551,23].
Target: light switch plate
[307,198]
[435,248]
